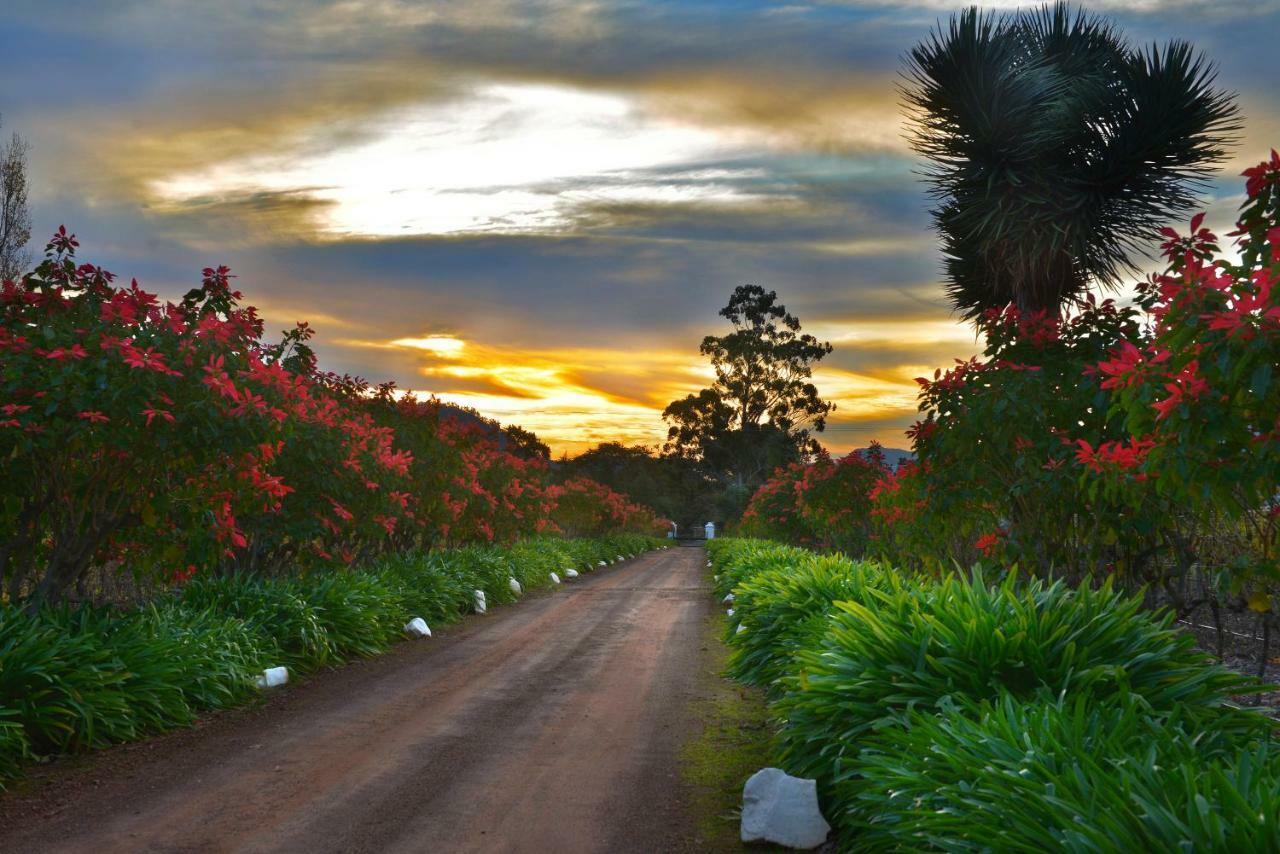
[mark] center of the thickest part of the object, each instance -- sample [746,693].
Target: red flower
[1260,174]
[1185,385]
[75,351]
[988,543]
[157,413]
[341,512]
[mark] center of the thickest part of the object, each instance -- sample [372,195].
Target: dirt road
[550,726]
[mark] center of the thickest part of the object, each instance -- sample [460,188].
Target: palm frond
[1056,150]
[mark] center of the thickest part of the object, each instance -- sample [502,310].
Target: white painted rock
[708,563]
[729,597]
[782,809]
[515,586]
[741,628]
[571,573]
[730,612]
[620,557]
[481,606]
[417,628]
[602,563]
[555,579]
[273,677]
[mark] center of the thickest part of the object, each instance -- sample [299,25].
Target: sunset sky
[534,208]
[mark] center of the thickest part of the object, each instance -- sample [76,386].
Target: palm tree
[1057,150]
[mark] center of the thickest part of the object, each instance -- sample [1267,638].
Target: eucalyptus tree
[1056,150]
[15,216]
[763,408]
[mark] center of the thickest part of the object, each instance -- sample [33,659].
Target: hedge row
[965,715]
[73,679]
[171,440]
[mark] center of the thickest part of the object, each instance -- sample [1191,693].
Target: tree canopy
[15,216]
[676,488]
[763,408]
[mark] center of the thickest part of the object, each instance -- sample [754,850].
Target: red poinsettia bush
[1114,440]
[902,533]
[825,503]
[496,495]
[581,507]
[347,473]
[835,499]
[168,439]
[130,429]
[1006,445]
[1200,396]
[773,512]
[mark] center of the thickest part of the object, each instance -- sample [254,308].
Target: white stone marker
[729,597]
[782,809]
[602,563]
[417,628]
[515,586]
[273,677]
[741,628]
[730,612]
[555,579]
[481,606]
[571,573]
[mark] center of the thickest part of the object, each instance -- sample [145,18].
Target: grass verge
[734,741]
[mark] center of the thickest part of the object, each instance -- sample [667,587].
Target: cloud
[799,110]
[502,158]
[534,158]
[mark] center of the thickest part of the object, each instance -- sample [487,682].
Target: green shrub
[220,655]
[585,554]
[785,609]
[483,568]
[959,640]
[962,715]
[533,561]
[737,560]
[427,586]
[276,608]
[63,688]
[360,614]
[14,746]
[71,680]
[1066,776]
[143,670]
